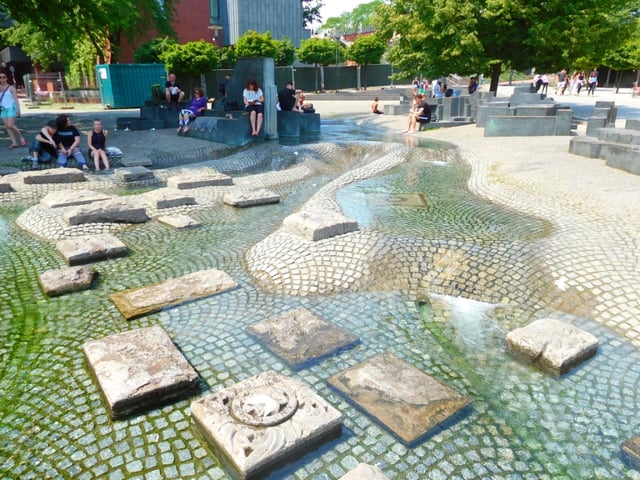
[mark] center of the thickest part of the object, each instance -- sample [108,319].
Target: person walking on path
[9,110]
[592,82]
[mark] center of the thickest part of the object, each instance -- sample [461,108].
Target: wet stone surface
[317,225]
[134,174]
[300,337]
[250,199]
[141,301]
[91,248]
[179,221]
[264,420]
[554,346]
[58,175]
[67,280]
[114,210]
[168,198]
[364,471]
[183,182]
[631,452]
[139,369]
[407,401]
[70,198]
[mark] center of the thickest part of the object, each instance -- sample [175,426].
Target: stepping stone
[263,421]
[90,248]
[134,174]
[631,452]
[300,337]
[250,199]
[115,210]
[67,280]
[183,182]
[365,472]
[8,171]
[179,221]
[140,369]
[136,162]
[407,401]
[319,224]
[554,346]
[5,187]
[71,198]
[168,198]
[136,302]
[54,175]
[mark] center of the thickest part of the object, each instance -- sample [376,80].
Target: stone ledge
[555,346]
[137,302]
[251,199]
[5,187]
[179,221]
[134,174]
[91,248]
[184,182]
[71,198]
[54,175]
[168,198]
[115,210]
[140,369]
[319,224]
[66,280]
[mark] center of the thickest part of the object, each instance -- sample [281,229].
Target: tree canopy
[191,58]
[254,44]
[360,19]
[311,12]
[438,37]
[317,51]
[366,50]
[286,52]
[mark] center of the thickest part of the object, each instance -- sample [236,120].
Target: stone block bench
[515,126]
[235,131]
[295,124]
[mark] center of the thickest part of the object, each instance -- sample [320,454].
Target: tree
[627,55]
[192,58]
[149,52]
[227,57]
[254,44]
[438,37]
[286,52]
[311,12]
[317,51]
[102,23]
[357,21]
[366,50]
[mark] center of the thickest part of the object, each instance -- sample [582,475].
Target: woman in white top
[253,103]
[10,107]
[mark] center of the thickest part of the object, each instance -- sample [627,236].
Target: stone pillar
[564,118]
[270,99]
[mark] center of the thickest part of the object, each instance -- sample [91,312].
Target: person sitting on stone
[172,91]
[67,138]
[97,140]
[420,113]
[254,104]
[196,109]
[308,108]
[287,97]
[44,147]
[375,107]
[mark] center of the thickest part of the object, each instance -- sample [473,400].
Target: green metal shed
[128,85]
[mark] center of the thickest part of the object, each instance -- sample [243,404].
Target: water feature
[522,424]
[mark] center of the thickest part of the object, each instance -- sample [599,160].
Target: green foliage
[81,70]
[191,58]
[42,48]
[357,21]
[366,50]
[254,44]
[149,52]
[311,12]
[438,37]
[227,57]
[317,51]
[286,52]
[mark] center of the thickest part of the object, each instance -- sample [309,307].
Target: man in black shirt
[421,113]
[67,138]
[287,97]
[173,93]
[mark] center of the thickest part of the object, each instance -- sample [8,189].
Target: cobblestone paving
[486,263]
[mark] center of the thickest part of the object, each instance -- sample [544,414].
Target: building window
[214,10]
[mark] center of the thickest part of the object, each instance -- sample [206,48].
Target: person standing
[68,139]
[253,103]
[561,86]
[98,145]
[172,91]
[473,85]
[10,106]
[592,83]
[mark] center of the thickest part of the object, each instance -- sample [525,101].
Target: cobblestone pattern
[523,425]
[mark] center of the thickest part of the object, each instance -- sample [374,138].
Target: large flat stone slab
[365,472]
[136,302]
[300,337]
[631,452]
[179,221]
[168,198]
[115,210]
[66,280]
[183,182]
[54,175]
[90,248]
[140,369]
[553,345]
[251,199]
[71,198]
[410,403]
[265,420]
[5,187]
[319,224]
[134,174]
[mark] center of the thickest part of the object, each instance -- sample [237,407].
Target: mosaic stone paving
[394,284]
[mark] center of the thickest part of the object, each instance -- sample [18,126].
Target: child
[97,145]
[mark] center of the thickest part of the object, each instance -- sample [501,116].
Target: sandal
[24,142]
[13,146]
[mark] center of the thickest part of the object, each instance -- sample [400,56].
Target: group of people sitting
[61,140]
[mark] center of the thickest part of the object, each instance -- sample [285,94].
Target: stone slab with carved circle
[300,336]
[264,421]
[140,369]
[407,401]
